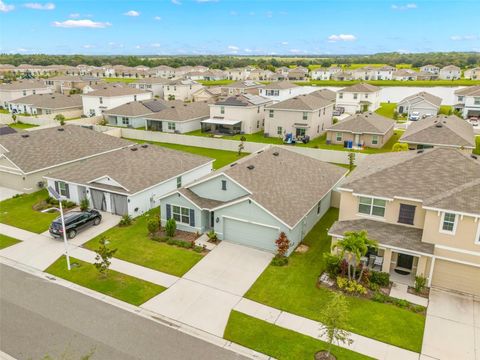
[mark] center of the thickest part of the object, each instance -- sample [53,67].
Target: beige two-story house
[423,208]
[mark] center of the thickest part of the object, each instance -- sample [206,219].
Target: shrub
[171,227]
[400,303]
[180,243]
[334,120]
[374,287]
[379,297]
[212,236]
[399,147]
[332,264]
[84,204]
[420,283]
[380,278]
[279,260]
[66,204]
[197,249]
[350,286]
[283,244]
[60,118]
[153,225]
[126,220]
[417,308]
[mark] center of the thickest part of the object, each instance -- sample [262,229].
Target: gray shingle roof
[370,123]
[325,93]
[360,87]
[23,85]
[51,101]
[440,130]
[435,176]
[279,85]
[435,100]
[243,100]
[134,170]
[469,91]
[116,91]
[177,110]
[302,102]
[400,236]
[49,147]
[138,108]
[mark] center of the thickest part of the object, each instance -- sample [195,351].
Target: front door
[300,133]
[405,261]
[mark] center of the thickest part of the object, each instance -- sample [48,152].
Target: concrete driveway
[205,296]
[452,329]
[41,250]
[7,193]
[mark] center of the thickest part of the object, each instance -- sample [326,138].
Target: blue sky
[238,27]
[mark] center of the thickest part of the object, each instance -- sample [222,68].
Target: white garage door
[250,234]
[454,276]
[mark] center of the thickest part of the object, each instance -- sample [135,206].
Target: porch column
[421,266]
[387,259]
[430,275]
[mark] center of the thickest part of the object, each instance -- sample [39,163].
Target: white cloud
[132,13]
[39,6]
[233,47]
[409,6]
[342,37]
[6,7]
[74,15]
[464,37]
[295,51]
[247,50]
[81,24]
[138,47]
[88,46]
[284,43]
[158,18]
[155,45]
[176,2]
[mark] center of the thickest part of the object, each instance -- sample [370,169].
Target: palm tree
[353,246]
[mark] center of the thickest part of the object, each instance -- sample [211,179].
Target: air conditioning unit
[41,184]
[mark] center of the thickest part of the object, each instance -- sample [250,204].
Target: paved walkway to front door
[206,294]
[452,328]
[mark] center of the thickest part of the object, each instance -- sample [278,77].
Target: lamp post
[57,196]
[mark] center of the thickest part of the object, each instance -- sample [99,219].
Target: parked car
[338,111]
[414,116]
[74,222]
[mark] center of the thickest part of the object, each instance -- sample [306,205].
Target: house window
[279,130]
[171,126]
[366,96]
[224,184]
[48,111]
[476,100]
[319,207]
[371,206]
[258,124]
[355,96]
[134,97]
[449,222]
[258,110]
[304,115]
[222,110]
[179,182]
[339,136]
[340,95]
[125,121]
[460,99]
[34,92]
[24,92]
[374,139]
[100,99]
[406,214]
[324,111]
[63,188]
[270,113]
[181,214]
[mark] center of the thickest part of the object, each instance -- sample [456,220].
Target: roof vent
[145,146]
[133,149]
[419,151]
[438,125]
[173,107]
[474,157]
[276,153]
[25,135]
[60,129]
[250,167]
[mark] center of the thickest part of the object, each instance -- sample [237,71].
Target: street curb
[5,356]
[147,314]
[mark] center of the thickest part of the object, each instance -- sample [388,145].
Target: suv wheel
[72,233]
[96,221]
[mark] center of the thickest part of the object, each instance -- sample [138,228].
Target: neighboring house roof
[135,168]
[243,100]
[450,68]
[440,178]
[138,108]
[5,130]
[280,85]
[302,102]
[325,93]
[35,150]
[23,85]
[370,123]
[398,236]
[177,110]
[51,101]
[116,91]
[434,100]
[440,130]
[73,78]
[153,80]
[360,87]
[246,84]
[469,91]
[182,82]
[299,181]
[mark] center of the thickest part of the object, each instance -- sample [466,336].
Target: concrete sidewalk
[361,344]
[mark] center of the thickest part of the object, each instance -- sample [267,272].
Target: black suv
[74,221]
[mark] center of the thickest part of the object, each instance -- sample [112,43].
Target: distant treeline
[461,59]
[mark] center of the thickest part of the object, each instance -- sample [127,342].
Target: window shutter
[169,211]
[192,217]
[67,190]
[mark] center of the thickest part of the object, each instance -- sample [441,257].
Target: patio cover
[217,121]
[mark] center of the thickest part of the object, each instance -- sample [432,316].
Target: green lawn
[124,80]
[256,137]
[21,126]
[477,149]
[134,245]
[6,241]
[386,109]
[293,288]
[426,83]
[280,343]
[117,285]
[445,109]
[215,82]
[18,212]
[4,111]
[222,157]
